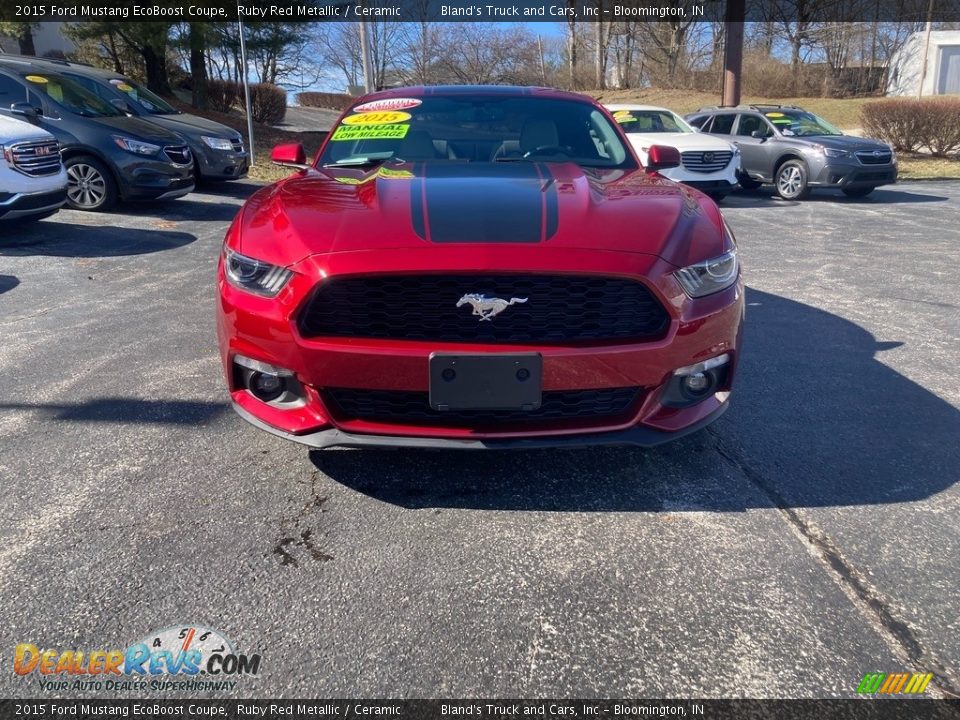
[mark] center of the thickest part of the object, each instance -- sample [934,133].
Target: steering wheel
[547,150]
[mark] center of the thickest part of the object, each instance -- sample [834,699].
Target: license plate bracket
[511,381]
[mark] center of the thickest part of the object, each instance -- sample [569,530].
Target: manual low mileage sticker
[370,132]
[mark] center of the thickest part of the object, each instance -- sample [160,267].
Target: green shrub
[912,125]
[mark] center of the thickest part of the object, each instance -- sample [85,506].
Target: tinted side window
[751,123]
[698,121]
[10,92]
[722,124]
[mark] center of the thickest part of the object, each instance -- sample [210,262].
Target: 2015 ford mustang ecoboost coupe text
[479,267]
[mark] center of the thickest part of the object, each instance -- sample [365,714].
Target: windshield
[153,104]
[476,129]
[70,95]
[800,123]
[635,122]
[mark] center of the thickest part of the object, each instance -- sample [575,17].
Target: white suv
[33,183]
[707,163]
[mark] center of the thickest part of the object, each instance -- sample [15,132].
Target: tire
[791,180]
[90,184]
[858,192]
[748,183]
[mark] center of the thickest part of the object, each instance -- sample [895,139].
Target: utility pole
[733,51]
[368,84]
[543,70]
[246,90]
[926,51]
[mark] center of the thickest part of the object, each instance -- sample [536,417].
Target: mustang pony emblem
[487,307]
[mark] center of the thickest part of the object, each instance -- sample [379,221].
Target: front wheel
[791,181]
[90,186]
[858,191]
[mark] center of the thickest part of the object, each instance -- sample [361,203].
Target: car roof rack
[769,106]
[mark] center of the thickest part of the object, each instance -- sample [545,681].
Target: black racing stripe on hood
[484,203]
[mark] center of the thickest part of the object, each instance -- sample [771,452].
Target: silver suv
[795,150]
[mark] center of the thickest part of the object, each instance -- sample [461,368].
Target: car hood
[141,130]
[681,141]
[851,143]
[192,125]
[12,130]
[414,205]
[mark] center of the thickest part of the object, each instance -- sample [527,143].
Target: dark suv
[108,156]
[795,150]
[218,150]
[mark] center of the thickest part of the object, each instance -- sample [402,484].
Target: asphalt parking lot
[808,537]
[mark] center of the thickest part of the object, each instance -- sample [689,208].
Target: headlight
[709,276]
[216,143]
[135,146]
[829,152]
[253,275]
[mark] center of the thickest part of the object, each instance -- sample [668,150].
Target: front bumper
[265,330]
[221,164]
[851,174]
[20,205]
[636,436]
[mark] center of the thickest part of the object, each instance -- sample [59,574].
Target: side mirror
[290,155]
[25,110]
[661,157]
[759,135]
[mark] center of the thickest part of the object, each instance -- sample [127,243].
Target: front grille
[558,309]
[36,158]
[706,162]
[178,154]
[873,176]
[867,157]
[237,144]
[401,407]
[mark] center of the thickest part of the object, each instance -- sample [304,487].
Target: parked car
[706,163]
[476,267]
[796,151]
[108,155]
[218,150]
[33,182]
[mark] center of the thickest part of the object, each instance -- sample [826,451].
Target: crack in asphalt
[896,630]
[290,539]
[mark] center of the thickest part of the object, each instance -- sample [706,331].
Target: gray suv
[795,150]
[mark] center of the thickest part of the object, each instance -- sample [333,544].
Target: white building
[942,75]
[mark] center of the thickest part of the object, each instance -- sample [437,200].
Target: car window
[698,121]
[467,128]
[800,123]
[136,93]
[70,95]
[635,122]
[10,92]
[722,124]
[752,123]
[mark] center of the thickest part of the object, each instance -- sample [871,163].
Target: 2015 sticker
[37,79]
[387,105]
[370,132]
[774,115]
[377,118]
[624,116]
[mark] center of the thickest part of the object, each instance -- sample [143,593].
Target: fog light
[266,387]
[697,383]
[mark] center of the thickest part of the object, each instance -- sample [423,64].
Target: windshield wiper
[356,162]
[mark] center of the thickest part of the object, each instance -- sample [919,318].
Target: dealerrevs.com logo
[184,658]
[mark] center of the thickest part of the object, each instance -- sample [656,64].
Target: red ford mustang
[479,267]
